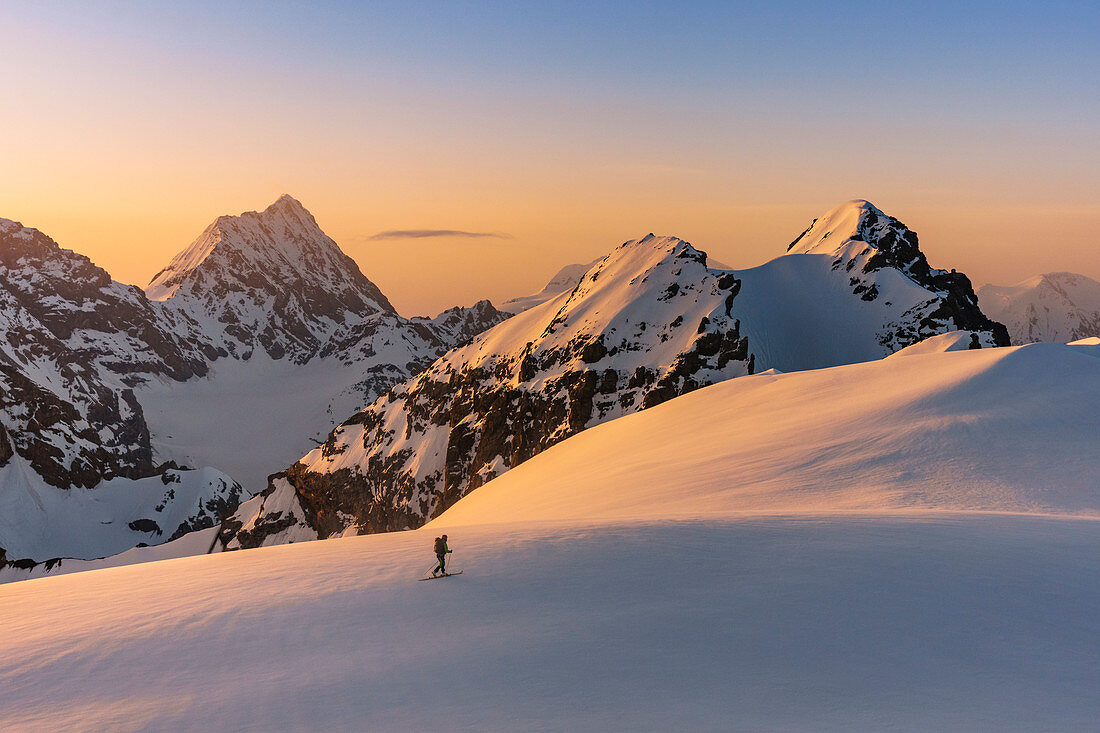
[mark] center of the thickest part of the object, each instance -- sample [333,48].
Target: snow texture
[938,622]
[1006,430]
[774,552]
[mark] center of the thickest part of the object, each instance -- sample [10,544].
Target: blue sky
[521,117]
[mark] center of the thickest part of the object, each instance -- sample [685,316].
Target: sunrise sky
[565,128]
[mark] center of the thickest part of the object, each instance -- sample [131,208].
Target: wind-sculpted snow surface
[649,322]
[1058,307]
[83,356]
[942,622]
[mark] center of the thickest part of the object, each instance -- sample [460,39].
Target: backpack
[440,546]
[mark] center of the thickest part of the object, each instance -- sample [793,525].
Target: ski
[445,575]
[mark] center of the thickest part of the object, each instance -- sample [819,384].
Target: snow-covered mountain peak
[564,279]
[271,278]
[281,244]
[1056,280]
[288,202]
[880,256]
[1056,306]
[634,301]
[568,276]
[648,322]
[857,220]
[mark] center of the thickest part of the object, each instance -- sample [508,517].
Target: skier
[441,551]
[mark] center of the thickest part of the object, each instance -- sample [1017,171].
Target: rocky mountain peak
[15,230]
[281,244]
[271,278]
[857,220]
[863,241]
[648,322]
[1056,306]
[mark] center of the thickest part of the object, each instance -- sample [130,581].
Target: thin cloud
[425,233]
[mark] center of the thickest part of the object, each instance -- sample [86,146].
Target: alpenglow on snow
[648,322]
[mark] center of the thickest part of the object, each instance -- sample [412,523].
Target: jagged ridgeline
[645,324]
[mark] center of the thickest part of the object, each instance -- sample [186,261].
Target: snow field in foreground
[933,622]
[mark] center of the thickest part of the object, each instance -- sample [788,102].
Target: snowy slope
[1057,307]
[39,522]
[853,287]
[1010,429]
[253,417]
[950,341]
[197,542]
[650,321]
[566,279]
[646,323]
[928,622]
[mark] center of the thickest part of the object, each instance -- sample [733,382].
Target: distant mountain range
[1059,307]
[564,279]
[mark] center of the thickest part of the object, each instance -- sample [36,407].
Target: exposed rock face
[1058,307]
[78,304]
[74,343]
[649,322]
[865,241]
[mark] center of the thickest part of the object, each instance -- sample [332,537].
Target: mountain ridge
[1055,306]
[645,324]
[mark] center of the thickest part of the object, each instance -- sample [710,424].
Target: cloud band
[425,233]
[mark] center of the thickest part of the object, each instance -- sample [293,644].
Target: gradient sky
[571,127]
